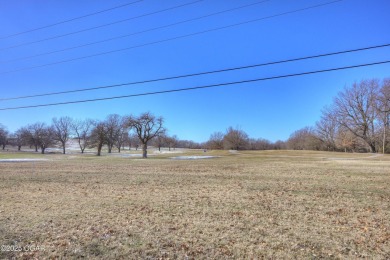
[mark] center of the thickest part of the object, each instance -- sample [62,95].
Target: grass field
[271,204]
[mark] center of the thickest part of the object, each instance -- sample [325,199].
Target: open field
[271,204]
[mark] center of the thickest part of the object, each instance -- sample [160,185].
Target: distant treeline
[357,121]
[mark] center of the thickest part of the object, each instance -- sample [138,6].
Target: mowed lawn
[270,204]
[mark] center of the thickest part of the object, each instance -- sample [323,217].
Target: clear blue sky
[269,109]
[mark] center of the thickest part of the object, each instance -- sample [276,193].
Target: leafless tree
[99,136]
[215,141]
[346,140]
[383,109]
[146,126]
[31,134]
[113,126]
[40,135]
[82,130]
[61,130]
[171,141]
[159,141]
[3,136]
[46,138]
[133,140]
[304,139]
[326,129]
[126,141]
[235,139]
[355,110]
[122,134]
[18,139]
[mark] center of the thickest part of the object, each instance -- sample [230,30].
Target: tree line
[114,132]
[356,121]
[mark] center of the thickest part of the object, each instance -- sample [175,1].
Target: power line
[100,26]
[200,73]
[172,39]
[70,20]
[136,33]
[199,87]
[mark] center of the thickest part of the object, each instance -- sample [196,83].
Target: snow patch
[193,157]
[22,160]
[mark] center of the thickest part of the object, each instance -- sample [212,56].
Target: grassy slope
[280,204]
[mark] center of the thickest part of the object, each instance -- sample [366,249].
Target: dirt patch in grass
[248,205]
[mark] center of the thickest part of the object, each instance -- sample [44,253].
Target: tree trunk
[99,149]
[19,147]
[42,150]
[119,149]
[144,150]
[36,148]
[384,138]
[372,148]
[63,148]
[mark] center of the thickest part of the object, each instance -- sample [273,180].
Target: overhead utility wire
[199,73]
[101,26]
[137,33]
[171,39]
[199,87]
[70,20]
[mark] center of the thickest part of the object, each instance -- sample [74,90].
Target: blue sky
[266,109]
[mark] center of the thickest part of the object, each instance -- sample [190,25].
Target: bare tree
[384,111]
[326,129]
[215,141]
[171,141]
[122,134]
[83,129]
[146,126]
[235,139]
[46,138]
[346,140]
[113,126]
[304,139]
[159,141]
[40,135]
[61,130]
[31,134]
[126,140]
[355,110]
[99,136]
[3,136]
[18,138]
[133,140]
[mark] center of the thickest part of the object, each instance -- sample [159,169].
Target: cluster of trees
[115,131]
[237,139]
[357,121]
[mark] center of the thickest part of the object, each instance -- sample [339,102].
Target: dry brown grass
[246,205]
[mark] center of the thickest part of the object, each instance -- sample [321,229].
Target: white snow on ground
[22,160]
[165,152]
[193,157]
[130,155]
